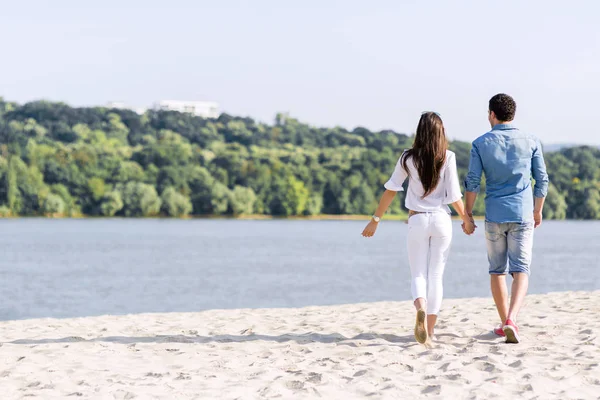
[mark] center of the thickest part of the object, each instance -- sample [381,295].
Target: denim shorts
[509,245]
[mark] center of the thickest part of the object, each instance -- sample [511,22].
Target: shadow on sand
[244,337]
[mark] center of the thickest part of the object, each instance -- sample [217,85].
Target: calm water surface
[75,268]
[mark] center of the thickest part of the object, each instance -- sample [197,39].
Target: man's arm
[540,190]
[537,210]
[473,180]
[470,198]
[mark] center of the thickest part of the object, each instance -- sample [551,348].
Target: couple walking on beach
[509,159]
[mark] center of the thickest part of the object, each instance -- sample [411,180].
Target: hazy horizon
[340,63]
[552,145]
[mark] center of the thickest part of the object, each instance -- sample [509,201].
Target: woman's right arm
[454,195]
[468,225]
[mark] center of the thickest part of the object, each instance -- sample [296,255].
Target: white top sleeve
[398,177]
[451,184]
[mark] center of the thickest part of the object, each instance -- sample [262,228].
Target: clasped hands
[468,225]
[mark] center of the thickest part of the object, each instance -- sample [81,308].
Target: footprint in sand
[516,364]
[432,389]
[295,385]
[526,388]
[486,367]
[183,377]
[591,367]
[313,377]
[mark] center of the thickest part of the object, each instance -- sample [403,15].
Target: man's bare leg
[517,294]
[500,294]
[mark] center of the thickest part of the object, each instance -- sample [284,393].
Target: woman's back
[447,190]
[433,183]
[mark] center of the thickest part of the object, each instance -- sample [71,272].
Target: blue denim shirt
[509,158]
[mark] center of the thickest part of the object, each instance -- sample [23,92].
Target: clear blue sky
[352,63]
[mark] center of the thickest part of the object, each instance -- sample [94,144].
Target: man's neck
[502,123]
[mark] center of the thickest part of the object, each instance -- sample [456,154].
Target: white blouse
[446,192]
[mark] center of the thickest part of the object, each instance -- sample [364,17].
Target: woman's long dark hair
[428,151]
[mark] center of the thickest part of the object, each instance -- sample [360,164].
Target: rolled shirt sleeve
[398,177]
[451,183]
[473,180]
[538,171]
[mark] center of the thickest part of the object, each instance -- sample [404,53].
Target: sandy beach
[359,351]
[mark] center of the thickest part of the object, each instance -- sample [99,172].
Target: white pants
[429,238]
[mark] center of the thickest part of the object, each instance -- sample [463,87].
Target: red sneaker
[498,331]
[511,331]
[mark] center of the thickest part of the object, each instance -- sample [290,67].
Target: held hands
[468,225]
[369,231]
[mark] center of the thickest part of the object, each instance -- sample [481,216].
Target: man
[509,159]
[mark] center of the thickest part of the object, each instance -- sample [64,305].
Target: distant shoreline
[323,217]
[333,217]
[251,217]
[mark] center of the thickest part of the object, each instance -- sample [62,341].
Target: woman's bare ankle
[420,303]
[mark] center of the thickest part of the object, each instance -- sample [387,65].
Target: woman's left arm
[384,204]
[392,186]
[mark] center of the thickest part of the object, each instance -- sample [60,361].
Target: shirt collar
[503,127]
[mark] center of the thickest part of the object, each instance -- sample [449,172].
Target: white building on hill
[204,109]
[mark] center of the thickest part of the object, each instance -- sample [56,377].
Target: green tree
[201,187]
[297,196]
[129,171]
[97,188]
[25,188]
[116,128]
[220,198]
[289,197]
[243,200]
[12,188]
[555,206]
[114,162]
[175,204]
[53,205]
[332,195]
[357,197]
[140,200]
[111,204]
[590,209]
[70,206]
[314,205]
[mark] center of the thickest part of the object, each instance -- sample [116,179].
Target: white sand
[342,352]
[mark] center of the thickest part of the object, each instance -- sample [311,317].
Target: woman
[432,184]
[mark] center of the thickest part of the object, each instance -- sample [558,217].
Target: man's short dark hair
[503,106]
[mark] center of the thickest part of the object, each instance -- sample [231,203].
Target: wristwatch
[376,218]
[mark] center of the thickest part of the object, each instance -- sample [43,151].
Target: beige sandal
[421,327]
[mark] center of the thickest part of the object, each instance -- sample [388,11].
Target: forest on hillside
[57,160]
